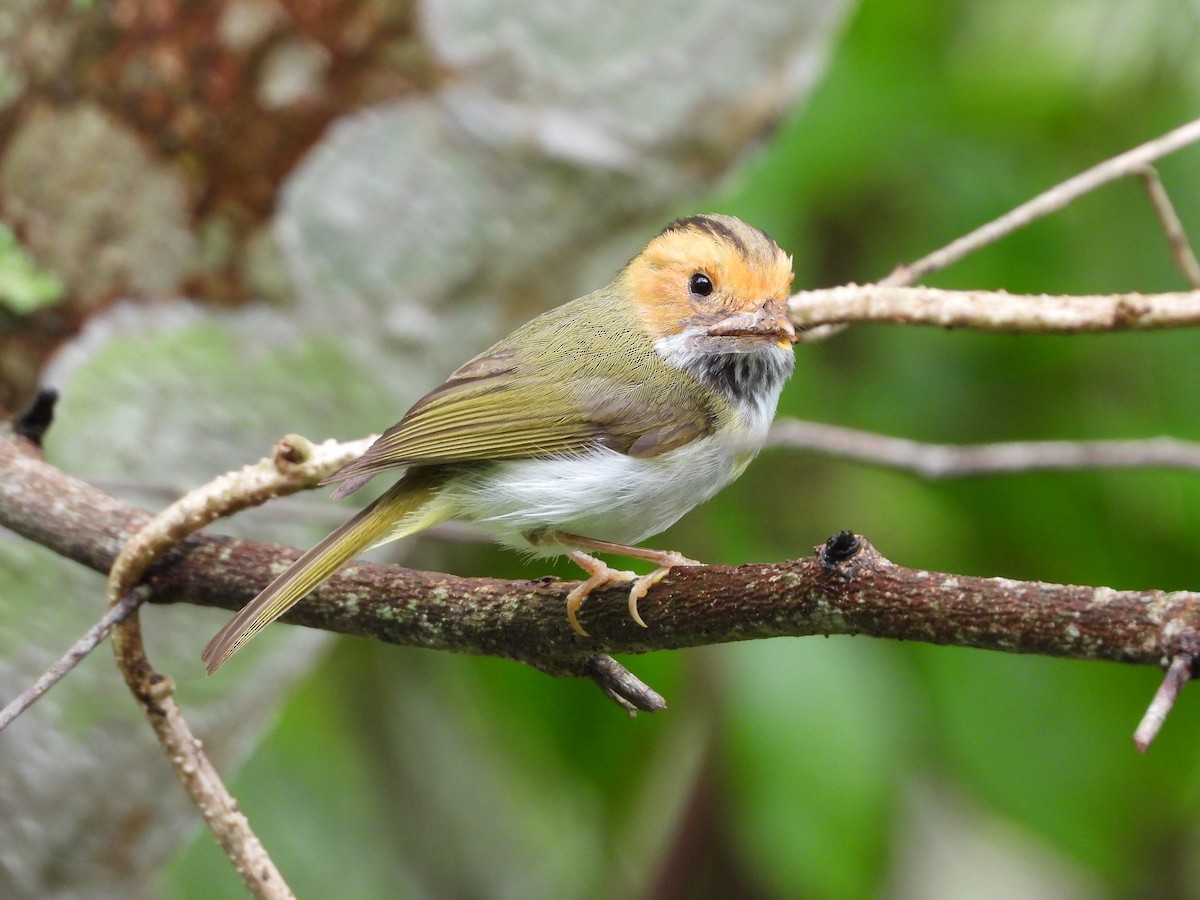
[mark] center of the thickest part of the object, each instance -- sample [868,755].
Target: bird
[588,429]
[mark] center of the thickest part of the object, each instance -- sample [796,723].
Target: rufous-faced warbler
[588,429]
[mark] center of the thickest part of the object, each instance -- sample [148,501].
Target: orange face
[706,270]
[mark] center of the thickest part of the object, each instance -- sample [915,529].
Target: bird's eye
[700,285]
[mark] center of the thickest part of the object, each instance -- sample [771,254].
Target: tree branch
[994,310]
[1173,231]
[959,460]
[846,588]
[125,607]
[1179,672]
[294,465]
[819,314]
[1131,162]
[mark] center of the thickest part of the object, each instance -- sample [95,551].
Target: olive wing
[496,407]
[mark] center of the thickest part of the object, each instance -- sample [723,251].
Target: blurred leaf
[23,286]
[818,734]
[1049,743]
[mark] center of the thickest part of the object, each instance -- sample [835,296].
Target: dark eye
[700,285]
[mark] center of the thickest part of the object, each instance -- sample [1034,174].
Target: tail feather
[387,518]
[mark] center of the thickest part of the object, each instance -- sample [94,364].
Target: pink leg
[600,574]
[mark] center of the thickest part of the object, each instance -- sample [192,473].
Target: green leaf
[24,288]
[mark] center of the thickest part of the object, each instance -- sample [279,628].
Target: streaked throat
[747,373]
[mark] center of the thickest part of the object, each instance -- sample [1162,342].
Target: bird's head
[720,281]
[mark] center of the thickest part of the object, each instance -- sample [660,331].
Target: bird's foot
[601,574]
[642,583]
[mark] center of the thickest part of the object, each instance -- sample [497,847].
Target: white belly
[607,495]
[602,494]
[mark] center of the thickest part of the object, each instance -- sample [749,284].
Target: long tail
[395,514]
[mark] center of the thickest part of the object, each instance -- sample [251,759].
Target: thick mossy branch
[845,588]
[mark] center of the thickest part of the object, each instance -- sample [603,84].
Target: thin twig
[69,660]
[1178,674]
[198,775]
[1122,166]
[622,686]
[1164,210]
[958,460]
[296,464]
[994,310]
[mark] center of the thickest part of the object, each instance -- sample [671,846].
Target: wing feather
[505,404]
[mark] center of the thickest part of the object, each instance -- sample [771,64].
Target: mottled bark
[846,587]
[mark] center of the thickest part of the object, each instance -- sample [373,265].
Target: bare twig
[1178,674]
[622,686]
[320,460]
[295,465]
[820,314]
[957,460]
[994,310]
[1122,166]
[1181,250]
[69,660]
[198,775]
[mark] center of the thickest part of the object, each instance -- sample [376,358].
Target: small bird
[588,429]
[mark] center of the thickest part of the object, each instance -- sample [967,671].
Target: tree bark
[845,587]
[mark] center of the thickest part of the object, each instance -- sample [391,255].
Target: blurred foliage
[794,767]
[23,286]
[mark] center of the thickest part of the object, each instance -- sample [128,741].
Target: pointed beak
[768,321]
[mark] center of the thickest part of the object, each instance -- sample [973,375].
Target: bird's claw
[601,574]
[643,583]
[598,576]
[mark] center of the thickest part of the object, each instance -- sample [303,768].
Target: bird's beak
[768,321]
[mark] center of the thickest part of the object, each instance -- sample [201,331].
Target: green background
[841,767]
